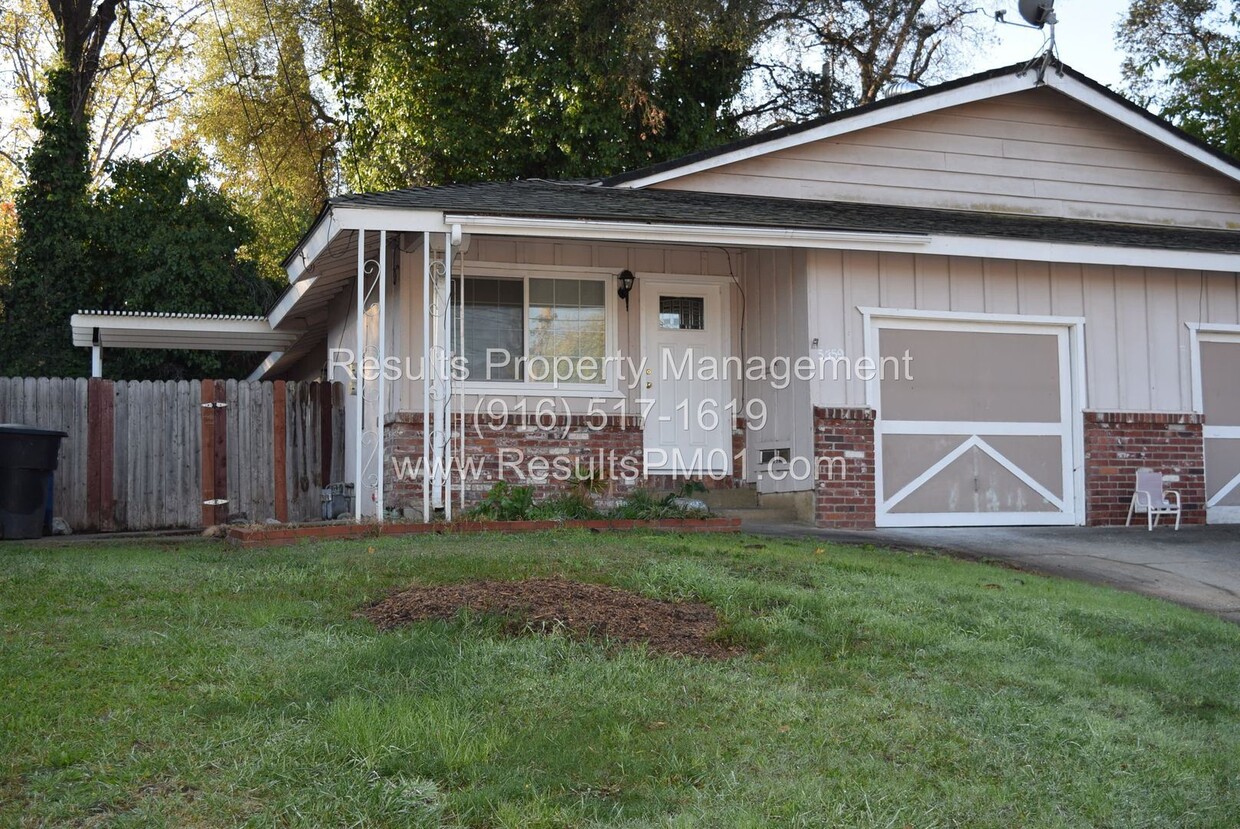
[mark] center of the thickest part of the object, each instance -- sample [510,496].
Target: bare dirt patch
[582,610]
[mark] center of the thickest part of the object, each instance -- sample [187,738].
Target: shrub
[643,505]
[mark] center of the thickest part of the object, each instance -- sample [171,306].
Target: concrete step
[729,499]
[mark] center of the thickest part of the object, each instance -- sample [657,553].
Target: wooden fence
[155,455]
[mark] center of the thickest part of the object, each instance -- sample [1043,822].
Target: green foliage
[644,505]
[572,506]
[505,502]
[498,89]
[264,121]
[1183,58]
[167,240]
[52,274]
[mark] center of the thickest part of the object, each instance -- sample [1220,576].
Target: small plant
[644,505]
[505,503]
[588,481]
[573,506]
[690,488]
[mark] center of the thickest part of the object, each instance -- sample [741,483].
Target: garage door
[979,430]
[1220,401]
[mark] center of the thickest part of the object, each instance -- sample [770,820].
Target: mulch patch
[582,610]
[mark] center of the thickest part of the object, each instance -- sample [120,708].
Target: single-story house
[983,303]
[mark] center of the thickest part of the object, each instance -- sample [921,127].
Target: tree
[834,54]
[1183,59]
[461,91]
[166,239]
[138,78]
[52,275]
[263,112]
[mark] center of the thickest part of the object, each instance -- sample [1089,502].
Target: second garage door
[980,432]
[1220,399]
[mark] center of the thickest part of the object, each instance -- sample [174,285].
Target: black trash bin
[27,461]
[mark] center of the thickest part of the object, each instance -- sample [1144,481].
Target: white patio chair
[1151,499]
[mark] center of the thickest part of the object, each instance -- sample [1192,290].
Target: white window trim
[609,388]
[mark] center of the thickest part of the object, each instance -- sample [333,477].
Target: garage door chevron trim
[983,428]
[974,442]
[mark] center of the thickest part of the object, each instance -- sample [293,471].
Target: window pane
[685,313]
[493,328]
[568,329]
[593,294]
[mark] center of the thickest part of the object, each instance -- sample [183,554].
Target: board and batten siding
[1137,347]
[776,327]
[1035,152]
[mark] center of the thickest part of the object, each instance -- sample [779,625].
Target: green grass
[193,685]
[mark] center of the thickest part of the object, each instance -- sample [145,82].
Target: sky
[1085,35]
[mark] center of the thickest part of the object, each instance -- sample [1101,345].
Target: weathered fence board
[135,458]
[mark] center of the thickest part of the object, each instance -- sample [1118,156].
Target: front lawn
[194,685]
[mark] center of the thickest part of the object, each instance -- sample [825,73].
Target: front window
[536,329]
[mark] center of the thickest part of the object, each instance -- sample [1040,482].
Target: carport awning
[195,332]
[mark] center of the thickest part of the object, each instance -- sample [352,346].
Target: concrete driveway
[1198,566]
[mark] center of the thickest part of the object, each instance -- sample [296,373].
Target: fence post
[279,440]
[214,452]
[100,457]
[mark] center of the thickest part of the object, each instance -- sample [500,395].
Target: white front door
[1220,397]
[687,427]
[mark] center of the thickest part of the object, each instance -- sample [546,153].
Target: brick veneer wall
[569,440]
[844,500]
[1117,444]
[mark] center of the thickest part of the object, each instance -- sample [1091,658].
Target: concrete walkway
[1198,566]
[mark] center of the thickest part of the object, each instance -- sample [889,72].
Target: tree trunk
[83,29]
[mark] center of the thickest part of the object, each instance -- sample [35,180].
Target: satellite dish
[1038,12]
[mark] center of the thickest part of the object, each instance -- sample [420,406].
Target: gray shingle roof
[564,200]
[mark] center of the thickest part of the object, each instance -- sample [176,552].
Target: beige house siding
[1137,346]
[776,326]
[1034,152]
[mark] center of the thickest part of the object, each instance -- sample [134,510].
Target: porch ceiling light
[626,280]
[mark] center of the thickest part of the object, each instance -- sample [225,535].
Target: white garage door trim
[1212,333]
[1070,332]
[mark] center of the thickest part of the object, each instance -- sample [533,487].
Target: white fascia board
[1082,254]
[398,219]
[345,217]
[289,300]
[312,245]
[982,247]
[687,234]
[1111,108]
[972,93]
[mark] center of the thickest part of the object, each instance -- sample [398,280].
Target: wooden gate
[158,455]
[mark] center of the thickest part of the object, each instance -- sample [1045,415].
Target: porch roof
[209,332]
[583,201]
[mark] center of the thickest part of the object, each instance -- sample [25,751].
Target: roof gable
[983,124]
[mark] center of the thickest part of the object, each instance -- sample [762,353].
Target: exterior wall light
[626,280]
